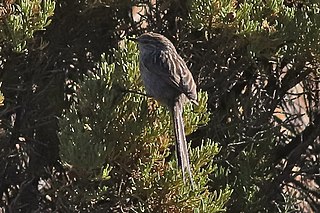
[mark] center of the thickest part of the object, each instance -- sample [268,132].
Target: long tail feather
[181,143]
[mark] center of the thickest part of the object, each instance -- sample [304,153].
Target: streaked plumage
[167,78]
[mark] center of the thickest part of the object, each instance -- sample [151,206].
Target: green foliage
[268,24]
[300,32]
[77,149]
[246,17]
[269,47]
[26,17]
[110,125]
[207,14]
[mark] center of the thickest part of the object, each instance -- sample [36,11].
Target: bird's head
[150,41]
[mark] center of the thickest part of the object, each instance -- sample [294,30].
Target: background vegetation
[75,138]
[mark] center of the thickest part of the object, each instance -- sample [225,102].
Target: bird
[167,79]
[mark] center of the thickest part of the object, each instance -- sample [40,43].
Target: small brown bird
[167,78]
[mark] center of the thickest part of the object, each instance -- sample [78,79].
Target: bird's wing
[172,69]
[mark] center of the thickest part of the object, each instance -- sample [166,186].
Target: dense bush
[75,135]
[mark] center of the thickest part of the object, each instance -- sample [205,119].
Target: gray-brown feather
[159,57]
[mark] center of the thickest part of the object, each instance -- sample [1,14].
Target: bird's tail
[181,143]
